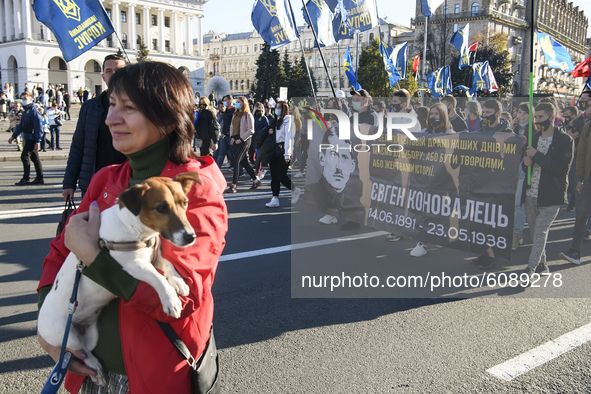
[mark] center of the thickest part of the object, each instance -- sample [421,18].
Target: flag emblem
[69,8]
[270,6]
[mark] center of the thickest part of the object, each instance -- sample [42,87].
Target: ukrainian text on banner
[274,21]
[361,16]
[78,25]
[455,190]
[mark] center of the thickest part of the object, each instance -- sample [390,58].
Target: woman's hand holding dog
[82,234]
[77,366]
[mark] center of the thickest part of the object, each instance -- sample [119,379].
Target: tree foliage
[266,75]
[142,53]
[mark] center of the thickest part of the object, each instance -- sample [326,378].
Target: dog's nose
[189,238]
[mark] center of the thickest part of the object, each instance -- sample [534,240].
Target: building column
[3,20]
[189,34]
[147,22]
[131,35]
[116,17]
[160,30]
[26,15]
[174,32]
[199,35]
[16,17]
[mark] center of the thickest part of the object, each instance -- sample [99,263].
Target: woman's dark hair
[164,96]
[284,112]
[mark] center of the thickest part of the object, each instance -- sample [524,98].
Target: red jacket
[153,365]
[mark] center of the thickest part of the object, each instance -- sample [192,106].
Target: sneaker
[587,235]
[542,268]
[517,240]
[231,189]
[299,174]
[256,183]
[394,237]
[295,195]
[419,250]
[571,255]
[328,219]
[526,281]
[262,174]
[38,181]
[274,203]
[23,182]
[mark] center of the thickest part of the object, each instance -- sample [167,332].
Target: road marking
[527,361]
[303,245]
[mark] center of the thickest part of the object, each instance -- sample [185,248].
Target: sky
[233,16]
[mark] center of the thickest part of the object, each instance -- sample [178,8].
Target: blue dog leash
[59,371]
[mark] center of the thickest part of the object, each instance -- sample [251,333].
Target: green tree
[266,74]
[142,53]
[299,84]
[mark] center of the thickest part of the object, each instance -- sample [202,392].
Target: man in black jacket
[550,156]
[92,144]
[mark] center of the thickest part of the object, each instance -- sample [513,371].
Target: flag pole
[319,49]
[531,84]
[340,66]
[122,47]
[424,75]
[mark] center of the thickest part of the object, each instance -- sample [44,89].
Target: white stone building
[30,54]
[234,56]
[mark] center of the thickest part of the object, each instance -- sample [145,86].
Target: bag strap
[70,204]
[180,346]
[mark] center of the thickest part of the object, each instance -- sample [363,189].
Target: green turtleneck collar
[149,161]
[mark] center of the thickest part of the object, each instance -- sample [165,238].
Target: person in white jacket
[282,155]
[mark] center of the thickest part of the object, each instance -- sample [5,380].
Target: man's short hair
[494,105]
[573,110]
[524,107]
[403,94]
[548,108]
[27,93]
[113,57]
[362,92]
[449,100]
[227,96]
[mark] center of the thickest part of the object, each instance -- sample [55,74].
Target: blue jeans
[223,150]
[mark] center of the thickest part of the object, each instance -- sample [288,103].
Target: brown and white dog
[155,207]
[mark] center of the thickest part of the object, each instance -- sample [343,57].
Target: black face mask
[434,122]
[202,106]
[396,107]
[258,113]
[544,125]
[567,119]
[489,120]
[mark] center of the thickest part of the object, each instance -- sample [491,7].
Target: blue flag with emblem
[460,41]
[440,82]
[321,20]
[274,21]
[556,55]
[349,70]
[393,74]
[397,54]
[78,25]
[355,16]
[483,78]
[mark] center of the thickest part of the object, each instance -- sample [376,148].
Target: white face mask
[278,112]
[357,106]
[24,103]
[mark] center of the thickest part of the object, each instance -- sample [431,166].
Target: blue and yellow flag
[321,20]
[356,16]
[460,41]
[78,25]
[440,82]
[274,21]
[556,55]
[349,70]
[397,54]
[483,78]
[393,74]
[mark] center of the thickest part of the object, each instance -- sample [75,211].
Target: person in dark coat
[207,128]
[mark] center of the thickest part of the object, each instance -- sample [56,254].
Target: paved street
[272,343]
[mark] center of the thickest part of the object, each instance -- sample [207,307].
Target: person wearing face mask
[458,124]
[438,122]
[226,123]
[400,103]
[473,115]
[31,126]
[207,128]
[261,131]
[583,173]
[550,157]
[491,117]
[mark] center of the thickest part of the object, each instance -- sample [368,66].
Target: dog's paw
[179,285]
[94,363]
[172,306]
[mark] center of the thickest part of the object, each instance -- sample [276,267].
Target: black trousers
[241,158]
[205,147]
[279,174]
[29,154]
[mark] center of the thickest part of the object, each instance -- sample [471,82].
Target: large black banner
[454,190]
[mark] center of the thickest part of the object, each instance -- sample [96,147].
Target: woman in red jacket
[151,121]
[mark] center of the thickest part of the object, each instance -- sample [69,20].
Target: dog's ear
[187,179]
[132,198]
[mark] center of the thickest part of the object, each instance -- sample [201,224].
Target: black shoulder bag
[68,209]
[205,368]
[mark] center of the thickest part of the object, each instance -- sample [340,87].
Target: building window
[97,67]
[475,9]
[457,9]
[455,27]
[166,21]
[256,47]
[371,36]
[167,45]
[225,49]
[138,40]
[124,40]
[445,9]
[108,12]
[138,19]
[154,20]
[154,44]
[124,16]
